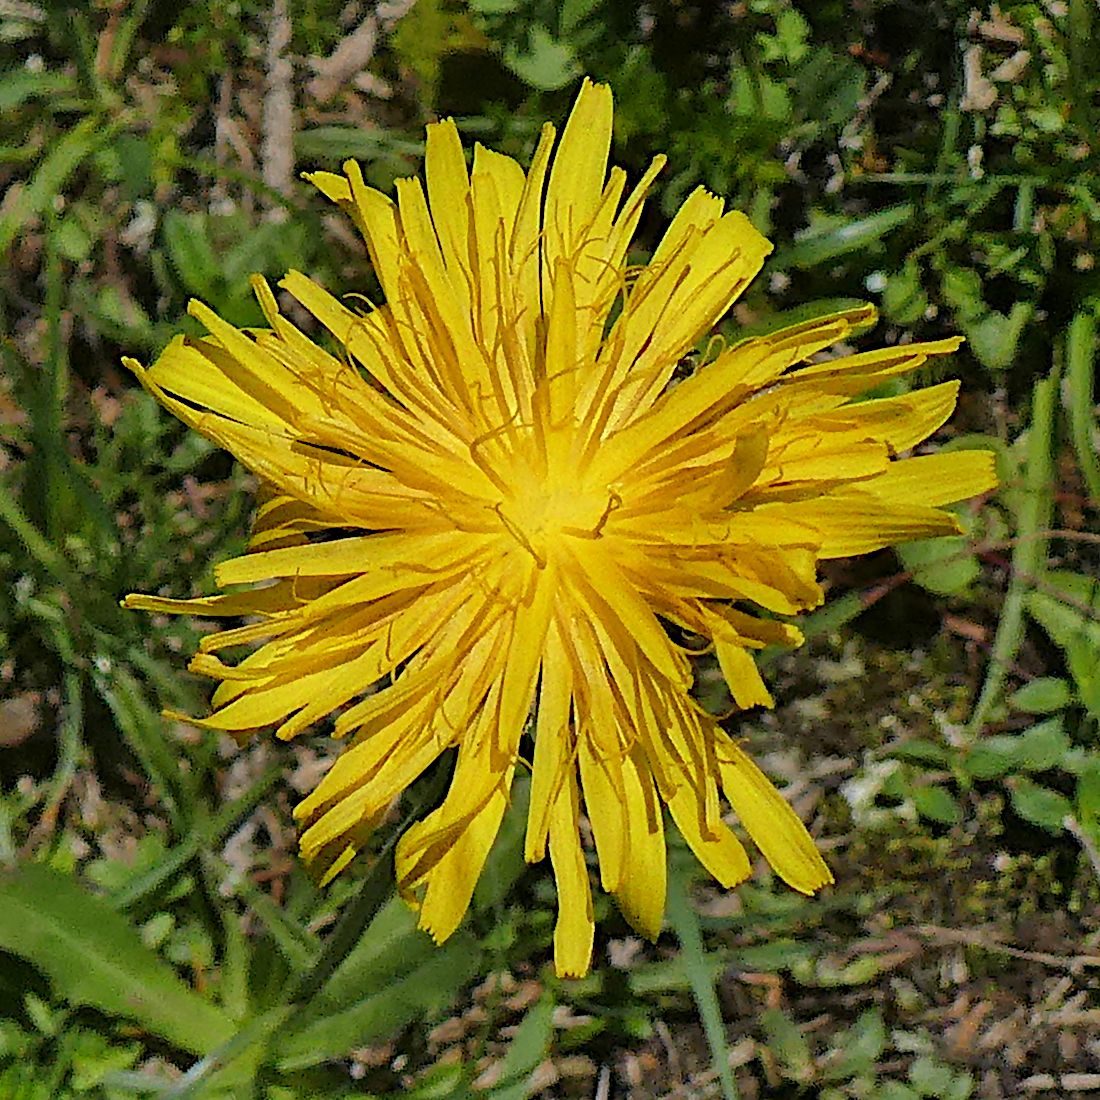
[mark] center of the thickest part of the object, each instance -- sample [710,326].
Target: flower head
[492,502]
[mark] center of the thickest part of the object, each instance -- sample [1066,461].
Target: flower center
[539,515]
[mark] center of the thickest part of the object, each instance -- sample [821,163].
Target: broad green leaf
[755,95]
[93,1058]
[961,1087]
[93,956]
[1039,805]
[992,757]
[962,287]
[391,948]
[788,44]
[1045,695]
[1088,790]
[828,973]
[895,1090]
[773,956]
[866,1038]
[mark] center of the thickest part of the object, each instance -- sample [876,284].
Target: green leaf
[19,85]
[786,1041]
[829,973]
[546,64]
[904,299]
[991,758]
[93,1058]
[191,253]
[757,96]
[1044,695]
[338,143]
[944,566]
[527,1051]
[828,238]
[788,44]
[95,957]
[1043,746]
[1072,619]
[1037,749]
[1080,376]
[962,288]
[856,1050]
[962,1085]
[1088,790]
[922,752]
[994,338]
[773,956]
[575,12]
[937,804]
[1039,805]
[930,1078]
[866,1039]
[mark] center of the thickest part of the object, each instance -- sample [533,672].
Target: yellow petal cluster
[487,509]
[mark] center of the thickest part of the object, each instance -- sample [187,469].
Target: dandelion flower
[487,510]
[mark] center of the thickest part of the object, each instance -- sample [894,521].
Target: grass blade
[685,922]
[1030,553]
[1080,352]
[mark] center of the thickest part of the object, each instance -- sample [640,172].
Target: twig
[277,153]
[353,54]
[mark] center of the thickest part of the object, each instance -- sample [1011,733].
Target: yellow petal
[575,926]
[772,824]
[641,891]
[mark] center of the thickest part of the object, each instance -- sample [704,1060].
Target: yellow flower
[491,502]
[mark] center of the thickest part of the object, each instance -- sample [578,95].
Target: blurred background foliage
[939,729]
